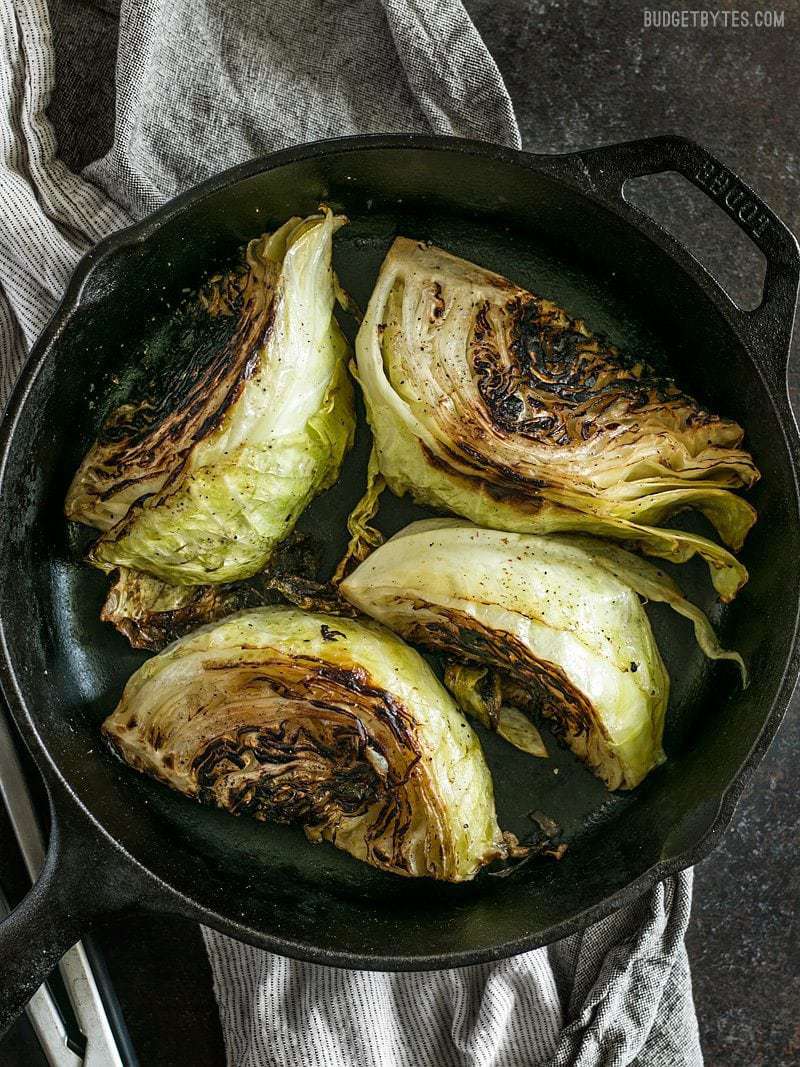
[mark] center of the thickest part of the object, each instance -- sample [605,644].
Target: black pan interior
[266,883]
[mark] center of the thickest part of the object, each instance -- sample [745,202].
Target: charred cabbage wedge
[337,725]
[152,613]
[199,484]
[491,402]
[559,621]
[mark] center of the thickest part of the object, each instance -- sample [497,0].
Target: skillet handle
[77,884]
[769,326]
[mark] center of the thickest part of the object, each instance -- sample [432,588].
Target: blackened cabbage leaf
[558,619]
[491,402]
[330,723]
[199,484]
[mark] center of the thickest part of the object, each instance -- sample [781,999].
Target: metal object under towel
[44,1015]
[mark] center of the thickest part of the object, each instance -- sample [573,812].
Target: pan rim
[139,232]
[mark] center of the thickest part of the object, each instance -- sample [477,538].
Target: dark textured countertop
[584,73]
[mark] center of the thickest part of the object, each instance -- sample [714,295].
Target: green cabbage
[201,483]
[364,538]
[478,691]
[330,723]
[490,402]
[557,618]
[151,613]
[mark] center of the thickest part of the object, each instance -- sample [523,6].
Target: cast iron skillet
[559,225]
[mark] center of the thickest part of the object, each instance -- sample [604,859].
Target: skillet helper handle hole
[723,248]
[73,889]
[768,322]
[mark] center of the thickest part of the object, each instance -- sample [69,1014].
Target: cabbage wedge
[559,621]
[333,724]
[151,613]
[199,484]
[491,402]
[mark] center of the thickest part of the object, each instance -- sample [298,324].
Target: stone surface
[584,73]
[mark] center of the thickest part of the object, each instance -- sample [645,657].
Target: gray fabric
[264,77]
[275,1011]
[201,85]
[630,989]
